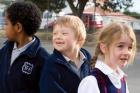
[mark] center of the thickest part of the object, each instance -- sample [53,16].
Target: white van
[48,19]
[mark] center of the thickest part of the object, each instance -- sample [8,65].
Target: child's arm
[88,85]
[48,81]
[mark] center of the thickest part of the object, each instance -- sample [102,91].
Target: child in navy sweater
[69,63]
[116,47]
[22,57]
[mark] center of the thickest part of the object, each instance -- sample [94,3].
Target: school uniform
[104,80]
[60,75]
[20,68]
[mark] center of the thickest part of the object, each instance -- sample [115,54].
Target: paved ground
[133,71]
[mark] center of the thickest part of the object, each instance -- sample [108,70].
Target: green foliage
[42,4]
[56,5]
[133,14]
[117,5]
[51,5]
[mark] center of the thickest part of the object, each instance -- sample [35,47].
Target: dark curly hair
[26,13]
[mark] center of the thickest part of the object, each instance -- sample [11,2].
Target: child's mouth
[59,43]
[124,59]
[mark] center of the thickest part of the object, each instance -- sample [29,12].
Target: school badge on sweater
[27,68]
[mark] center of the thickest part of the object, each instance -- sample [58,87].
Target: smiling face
[116,45]
[120,52]
[64,39]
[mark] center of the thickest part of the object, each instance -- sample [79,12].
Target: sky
[136,6]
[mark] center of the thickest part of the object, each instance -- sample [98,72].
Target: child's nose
[127,51]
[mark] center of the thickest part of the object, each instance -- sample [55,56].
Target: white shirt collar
[82,57]
[16,51]
[114,76]
[109,71]
[24,47]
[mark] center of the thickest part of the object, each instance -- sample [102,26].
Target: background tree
[5,2]
[133,14]
[77,6]
[117,5]
[42,4]
[51,5]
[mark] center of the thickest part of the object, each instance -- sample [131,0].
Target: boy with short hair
[69,63]
[22,57]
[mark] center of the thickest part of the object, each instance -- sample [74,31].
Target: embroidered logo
[27,68]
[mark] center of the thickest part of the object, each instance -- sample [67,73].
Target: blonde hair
[111,33]
[76,24]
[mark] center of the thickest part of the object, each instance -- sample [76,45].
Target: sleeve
[88,85]
[49,80]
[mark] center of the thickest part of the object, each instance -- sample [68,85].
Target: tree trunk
[79,8]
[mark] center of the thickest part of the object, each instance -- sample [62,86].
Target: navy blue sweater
[24,74]
[58,77]
[105,85]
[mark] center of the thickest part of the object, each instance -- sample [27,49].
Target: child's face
[10,30]
[120,52]
[64,39]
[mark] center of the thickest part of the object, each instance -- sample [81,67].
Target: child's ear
[80,41]
[103,48]
[18,27]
